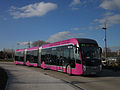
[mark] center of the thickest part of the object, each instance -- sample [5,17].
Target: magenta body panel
[31,64]
[33,48]
[18,50]
[17,62]
[78,70]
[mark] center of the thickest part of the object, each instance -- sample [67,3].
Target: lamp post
[104,28]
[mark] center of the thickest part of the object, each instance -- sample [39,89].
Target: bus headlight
[100,67]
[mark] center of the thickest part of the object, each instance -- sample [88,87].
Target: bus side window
[35,56]
[66,56]
[60,54]
[71,54]
[43,55]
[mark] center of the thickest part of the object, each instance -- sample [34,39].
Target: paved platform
[21,78]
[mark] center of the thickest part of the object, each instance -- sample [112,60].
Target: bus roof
[68,41]
[86,41]
[71,41]
[64,42]
[33,48]
[18,50]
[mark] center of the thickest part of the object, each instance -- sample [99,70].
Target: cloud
[74,2]
[108,14]
[37,9]
[74,8]
[78,28]
[63,35]
[91,28]
[110,4]
[75,28]
[110,20]
[24,43]
[110,17]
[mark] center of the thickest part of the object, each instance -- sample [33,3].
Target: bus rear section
[19,56]
[32,56]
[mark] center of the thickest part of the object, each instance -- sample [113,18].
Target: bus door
[77,56]
[39,56]
[78,62]
[60,60]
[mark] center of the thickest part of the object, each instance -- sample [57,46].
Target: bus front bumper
[92,70]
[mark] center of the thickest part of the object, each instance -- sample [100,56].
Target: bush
[3,79]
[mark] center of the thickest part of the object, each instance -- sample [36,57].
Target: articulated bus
[75,56]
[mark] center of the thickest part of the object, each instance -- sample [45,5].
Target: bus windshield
[90,53]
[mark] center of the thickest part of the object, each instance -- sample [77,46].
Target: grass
[3,79]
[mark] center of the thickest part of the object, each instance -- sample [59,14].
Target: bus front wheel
[69,70]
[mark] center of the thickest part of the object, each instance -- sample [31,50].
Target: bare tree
[109,53]
[7,54]
[39,43]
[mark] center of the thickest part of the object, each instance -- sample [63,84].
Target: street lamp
[29,44]
[104,28]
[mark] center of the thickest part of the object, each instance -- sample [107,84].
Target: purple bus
[74,56]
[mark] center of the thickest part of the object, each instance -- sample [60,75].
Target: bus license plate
[93,72]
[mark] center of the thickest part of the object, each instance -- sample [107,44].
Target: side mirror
[76,50]
[100,49]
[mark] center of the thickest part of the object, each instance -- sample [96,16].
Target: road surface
[24,78]
[107,80]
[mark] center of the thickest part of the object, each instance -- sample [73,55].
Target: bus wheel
[69,70]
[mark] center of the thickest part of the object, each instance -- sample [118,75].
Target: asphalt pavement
[23,78]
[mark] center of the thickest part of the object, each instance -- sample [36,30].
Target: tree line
[110,53]
[8,54]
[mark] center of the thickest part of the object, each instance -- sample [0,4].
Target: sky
[22,21]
